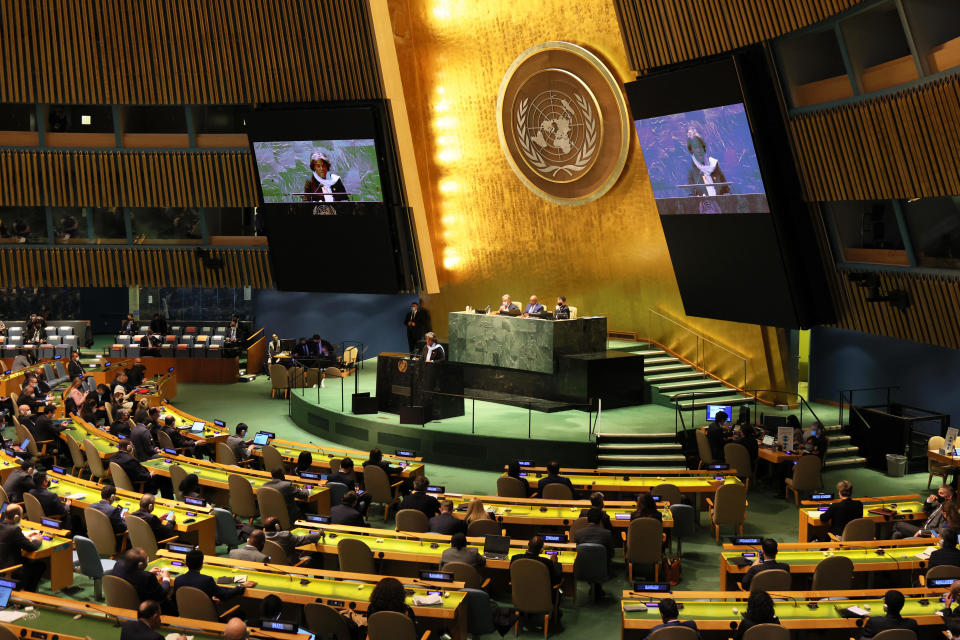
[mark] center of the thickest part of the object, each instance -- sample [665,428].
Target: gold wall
[490,234]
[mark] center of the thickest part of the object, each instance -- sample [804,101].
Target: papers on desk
[925,554]
[11,616]
[176,636]
[428,600]
[858,611]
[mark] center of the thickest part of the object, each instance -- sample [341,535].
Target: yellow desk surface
[904,508]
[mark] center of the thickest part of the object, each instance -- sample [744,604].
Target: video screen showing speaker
[332,203]
[703,161]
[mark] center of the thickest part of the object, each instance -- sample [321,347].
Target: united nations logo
[402,366]
[563,123]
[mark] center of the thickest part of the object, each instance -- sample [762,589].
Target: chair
[573,312]
[355,556]
[859,529]
[479,620]
[242,501]
[684,523]
[591,565]
[164,440]
[768,631]
[86,561]
[94,463]
[337,491]
[225,454]
[349,356]
[668,492]
[487,527]
[738,458]
[896,634]
[673,633]
[177,475]
[195,604]
[36,449]
[141,535]
[578,524]
[412,520]
[728,506]
[703,448]
[326,622]
[311,377]
[467,574]
[557,491]
[936,443]
[272,503]
[226,528]
[531,591]
[644,545]
[378,485]
[295,378]
[835,572]
[121,479]
[390,625]
[120,593]
[271,458]
[943,571]
[806,477]
[771,580]
[34,508]
[330,372]
[78,462]
[276,553]
[508,487]
[278,381]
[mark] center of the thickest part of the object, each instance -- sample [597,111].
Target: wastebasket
[896,465]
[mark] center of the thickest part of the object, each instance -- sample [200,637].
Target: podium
[406,382]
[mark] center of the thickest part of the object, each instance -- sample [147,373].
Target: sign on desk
[950,441]
[785,438]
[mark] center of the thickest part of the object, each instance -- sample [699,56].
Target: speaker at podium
[405,384]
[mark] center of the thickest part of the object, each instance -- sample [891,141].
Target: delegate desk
[65,619]
[215,478]
[301,586]
[405,552]
[197,524]
[889,509]
[950,461]
[716,612]
[908,555]
[56,549]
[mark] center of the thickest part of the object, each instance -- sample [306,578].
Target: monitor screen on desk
[714,409]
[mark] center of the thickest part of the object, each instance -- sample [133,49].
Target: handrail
[678,412]
[701,340]
[844,393]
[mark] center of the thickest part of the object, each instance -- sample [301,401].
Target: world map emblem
[563,123]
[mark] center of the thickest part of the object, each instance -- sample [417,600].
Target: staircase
[840,453]
[666,377]
[639,451]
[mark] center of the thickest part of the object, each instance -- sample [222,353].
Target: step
[687,384]
[839,440]
[667,368]
[700,393]
[652,446]
[676,376]
[834,428]
[660,360]
[650,459]
[646,353]
[636,436]
[844,462]
[841,451]
[690,405]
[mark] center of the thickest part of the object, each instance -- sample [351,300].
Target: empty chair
[806,477]
[771,580]
[45,352]
[221,331]
[684,524]
[859,529]
[279,386]
[467,574]
[70,341]
[132,351]
[271,458]
[271,503]
[337,491]
[668,492]
[835,572]
[206,331]
[141,535]
[116,351]
[120,593]
[378,485]
[728,507]
[86,561]
[123,339]
[703,448]
[295,377]
[591,565]
[78,461]
[66,330]
[94,462]
[61,351]
[675,632]
[531,590]
[508,487]
[50,331]
[480,528]
[412,520]
[242,501]
[187,340]
[197,605]
[738,458]
[479,620]
[390,625]
[936,443]
[176,330]
[644,545]
[557,491]
[311,377]
[326,622]
[226,528]
[769,631]
[355,556]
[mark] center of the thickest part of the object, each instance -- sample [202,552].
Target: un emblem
[563,123]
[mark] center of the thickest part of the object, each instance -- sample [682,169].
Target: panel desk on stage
[403,381]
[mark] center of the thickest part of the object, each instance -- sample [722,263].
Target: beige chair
[5,632]
[277,554]
[109,408]
[225,454]
[673,633]
[943,571]
[806,477]
[859,529]
[767,631]
[101,532]
[896,634]
[377,484]
[279,387]
[578,524]
[33,506]
[508,487]
[737,456]
[166,442]
[242,501]
[557,491]
[141,535]
[835,572]
[573,312]
[272,458]
[412,520]
[703,448]
[335,466]
[771,580]
[40,450]
[120,593]
[349,356]
[295,377]
[330,372]
[177,475]
[355,556]
[272,503]
[486,527]
[668,492]
[122,480]
[728,507]
[4,497]
[197,605]
[326,622]
[78,462]
[531,591]
[936,443]
[467,574]
[390,625]
[644,545]
[311,377]
[94,463]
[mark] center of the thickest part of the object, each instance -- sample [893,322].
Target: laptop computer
[261,439]
[496,547]
[198,426]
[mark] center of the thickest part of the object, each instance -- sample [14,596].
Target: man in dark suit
[193,578]
[716,435]
[240,447]
[346,476]
[413,321]
[596,504]
[51,503]
[136,373]
[947,554]
[149,585]
[595,533]
[253,550]
[122,425]
[289,492]
[460,552]
[12,545]
[108,495]
[29,398]
[288,541]
[144,447]
[553,476]
[892,603]
[144,627]
[534,549]
[192,448]
[45,430]
[840,513]
[162,528]
[766,560]
[936,515]
[129,325]
[446,522]
[136,471]
[20,481]
[418,499]
[158,325]
[669,612]
[74,368]
[346,512]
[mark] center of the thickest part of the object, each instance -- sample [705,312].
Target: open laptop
[198,426]
[496,547]
[261,439]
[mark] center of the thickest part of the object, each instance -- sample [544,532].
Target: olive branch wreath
[533,155]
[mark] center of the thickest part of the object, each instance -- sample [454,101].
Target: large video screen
[703,162]
[319,171]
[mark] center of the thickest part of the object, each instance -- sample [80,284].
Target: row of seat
[41,352]
[212,349]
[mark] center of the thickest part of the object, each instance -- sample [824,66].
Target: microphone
[796,602]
